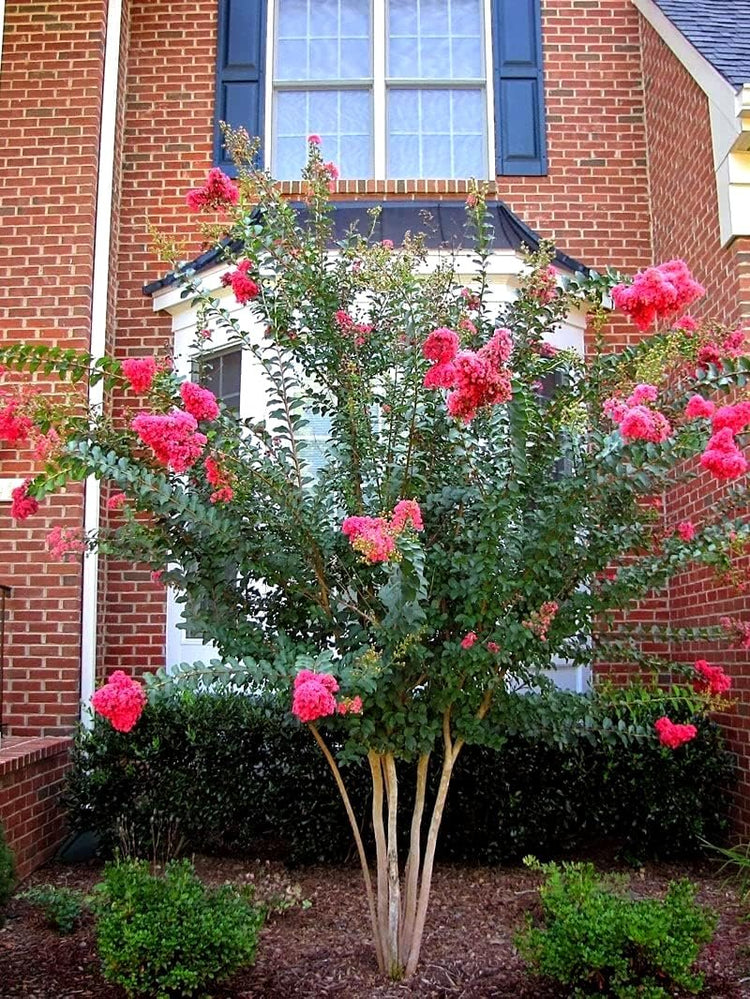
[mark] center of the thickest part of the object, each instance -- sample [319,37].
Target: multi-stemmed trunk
[398,905]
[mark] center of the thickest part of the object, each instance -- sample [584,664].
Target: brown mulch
[325,951]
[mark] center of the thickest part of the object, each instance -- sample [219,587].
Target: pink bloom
[404,513]
[709,353]
[440,376]
[313,695]
[314,140]
[734,344]
[63,542]
[641,423]
[218,192]
[441,345]
[736,417]
[686,530]
[372,537]
[218,477]
[657,292]
[687,323]
[698,407]
[172,437]
[199,402]
[116,501]
[121,700]
[711,680]
[14,426]
[244,288]
[156,575]
[467,324]
[468,640]
[350,706]
[493,647]
[22,505]
[499,347]
[545,349]
[671,735]
[332,170]
[642,394]
[140,372]
[739,630]
[614,408]
[47,445]
[539,622]
[387,244]
[722,457]
[479,382]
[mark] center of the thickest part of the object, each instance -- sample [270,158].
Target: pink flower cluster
[375,537]
[244,288]
[540,621]
[116,501]
[140,372]
[468,640]
[47,445]
[686,530]
[313,697]
[199,402]
[64,543]
[121,700]
[723,457]
[357,331]
[636,421]
[173,438]
[14,424]
[542,286]
[218,192]
[657,292]
[22,505]
[673,735]
[478,378]
[739,630]
[711,680]
[217,477]
[699,408]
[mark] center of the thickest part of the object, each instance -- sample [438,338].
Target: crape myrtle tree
[488,506]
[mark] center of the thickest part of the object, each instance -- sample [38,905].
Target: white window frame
[379,87]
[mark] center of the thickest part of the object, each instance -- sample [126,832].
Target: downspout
[99,298]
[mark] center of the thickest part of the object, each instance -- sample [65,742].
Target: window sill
[415,188]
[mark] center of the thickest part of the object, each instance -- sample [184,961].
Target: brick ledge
[19,752]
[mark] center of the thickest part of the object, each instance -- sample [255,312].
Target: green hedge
[224,773]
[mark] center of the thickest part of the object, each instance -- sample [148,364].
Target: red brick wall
[49,131]
[685,224]
[32,775]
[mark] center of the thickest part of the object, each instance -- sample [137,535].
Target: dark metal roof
[443,224]
[719,29]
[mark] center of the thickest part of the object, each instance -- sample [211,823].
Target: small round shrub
[168,935]
[62,907]
[597,938]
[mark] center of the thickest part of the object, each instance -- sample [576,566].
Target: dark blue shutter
[519,87]
[240,65]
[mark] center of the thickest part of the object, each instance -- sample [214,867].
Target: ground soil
[324,950]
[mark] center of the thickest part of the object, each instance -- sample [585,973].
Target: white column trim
[99,297]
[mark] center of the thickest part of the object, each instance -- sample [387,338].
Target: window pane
[323,40]
[435,39]
[436,134]
[221,374]
[343,119]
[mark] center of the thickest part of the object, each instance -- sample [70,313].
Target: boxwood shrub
[225,773]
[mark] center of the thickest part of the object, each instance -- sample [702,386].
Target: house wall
[50,92]
[685,224]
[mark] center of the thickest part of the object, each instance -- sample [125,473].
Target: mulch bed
[324,950]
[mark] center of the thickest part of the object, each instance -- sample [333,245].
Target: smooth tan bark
[381,852]
[411,875]
[358,840]
[395,967]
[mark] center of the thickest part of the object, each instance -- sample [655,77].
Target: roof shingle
[719,30]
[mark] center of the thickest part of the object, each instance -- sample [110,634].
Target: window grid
[380,85]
